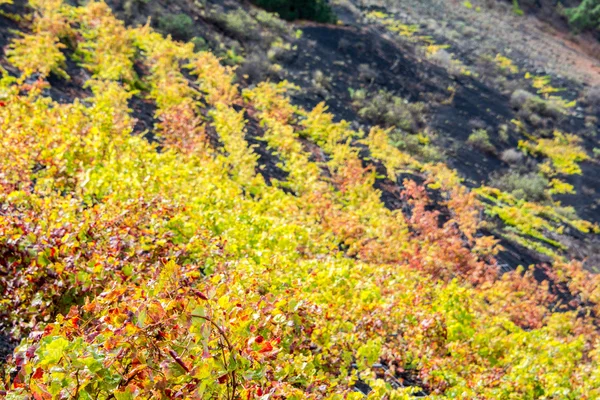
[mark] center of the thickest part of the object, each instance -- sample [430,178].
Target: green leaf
[124,395]
[51,351]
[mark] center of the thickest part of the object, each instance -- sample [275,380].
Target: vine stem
[229,346]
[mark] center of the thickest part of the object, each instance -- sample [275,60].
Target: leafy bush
[417,145]
[481,140]
[239,24]
[200,43]
[584,16]
[531,186]
[38,53]
[254,68]
[367,73]
[321,82]
[179,26]
[383,108]
[530,104]
[519,97]
[563,151]
[232,56]
[314,10]
[592,97]
[512,156]
[271,21]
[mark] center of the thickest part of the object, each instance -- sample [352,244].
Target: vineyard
[188,261]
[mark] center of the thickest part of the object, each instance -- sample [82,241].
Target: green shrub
[584,16]
[179,26]
[271,21]
[530,186]
[321,80]
[512,157]
[385,109]
[314,10]
[516,8]
[481,140]
[232,56]
[239,24]
[255,68]
[416,145]
[366,73]
[529,104]
[200,44]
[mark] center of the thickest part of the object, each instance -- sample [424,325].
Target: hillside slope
[173,227]
[454,77]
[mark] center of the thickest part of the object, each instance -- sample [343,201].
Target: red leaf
[259,339]
[48,329]
[18,382]
[19,360]
[201,295]
[266,348]
[30,353]
[37,374]
[223,378]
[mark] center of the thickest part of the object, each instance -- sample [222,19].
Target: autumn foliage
[133,269]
